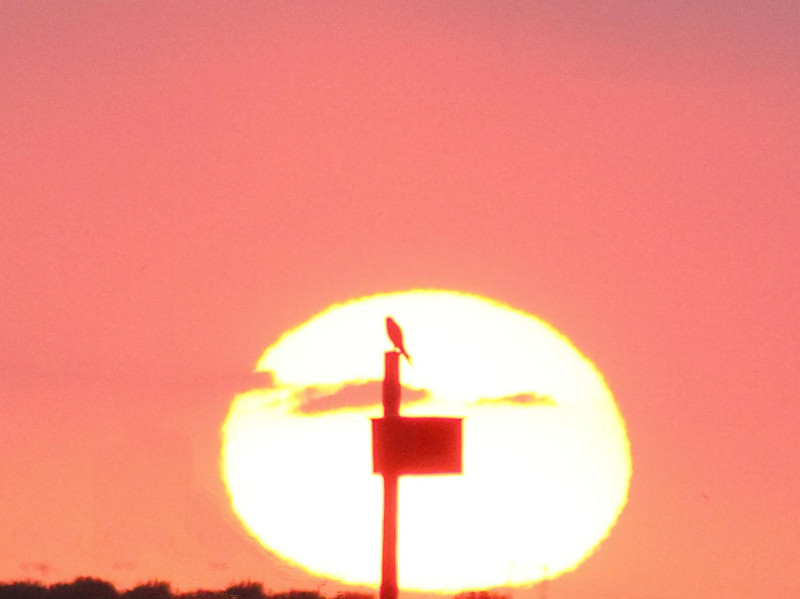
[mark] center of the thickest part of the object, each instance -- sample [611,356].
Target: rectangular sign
[403,445]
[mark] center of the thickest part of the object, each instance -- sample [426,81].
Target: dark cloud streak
[521,399]
[350,397]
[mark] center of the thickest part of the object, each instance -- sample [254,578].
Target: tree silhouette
[354,595]
[93,588]
[83,588]
[485,594]
[297,595]
[203,594]
[246,590]
[23,590]
[150,590]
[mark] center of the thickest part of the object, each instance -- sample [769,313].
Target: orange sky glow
[183,182]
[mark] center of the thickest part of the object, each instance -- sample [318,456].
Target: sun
[546,458]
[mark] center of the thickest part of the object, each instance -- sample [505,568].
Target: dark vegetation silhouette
[481,595]
[93,588]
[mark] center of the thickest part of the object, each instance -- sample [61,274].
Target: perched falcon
[396,337]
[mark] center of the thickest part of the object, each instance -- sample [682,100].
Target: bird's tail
[407,357]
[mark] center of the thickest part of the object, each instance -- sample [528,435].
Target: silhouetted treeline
[93,588]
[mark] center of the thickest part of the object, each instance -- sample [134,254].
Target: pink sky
[181,183]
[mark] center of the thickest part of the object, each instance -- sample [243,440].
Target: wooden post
[391,384]
[402,445]
[391,409]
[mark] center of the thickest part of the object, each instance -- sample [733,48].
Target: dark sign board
[403,445]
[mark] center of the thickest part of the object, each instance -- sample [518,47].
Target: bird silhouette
[396,336]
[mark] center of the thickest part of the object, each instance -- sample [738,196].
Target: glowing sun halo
[546,457]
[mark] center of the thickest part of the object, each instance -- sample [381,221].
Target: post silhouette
[391,410]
